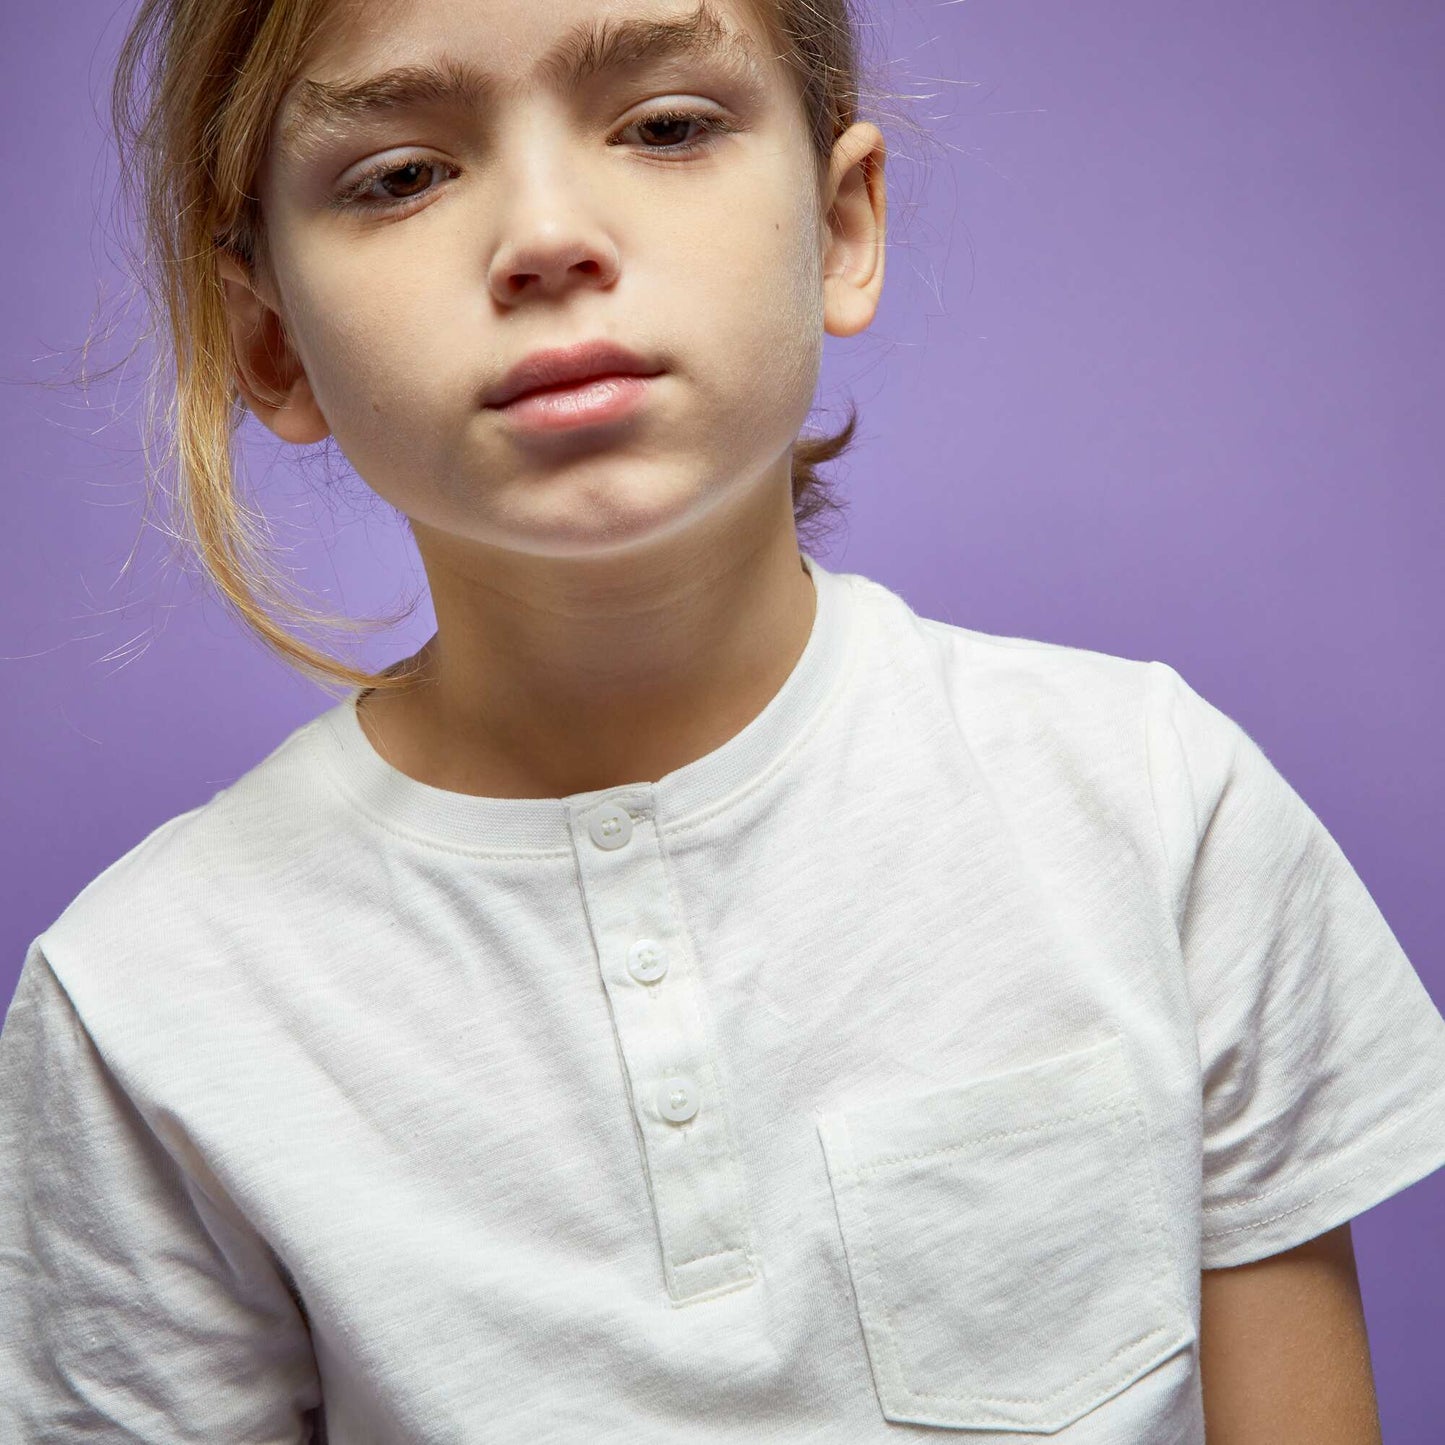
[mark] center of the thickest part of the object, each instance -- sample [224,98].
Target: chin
[570,517]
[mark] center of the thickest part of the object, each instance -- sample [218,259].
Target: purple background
[1157,372]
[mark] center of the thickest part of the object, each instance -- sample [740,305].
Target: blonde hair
[191,128]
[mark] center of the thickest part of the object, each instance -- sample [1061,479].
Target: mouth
[560,388]
[569,406]
[562,367]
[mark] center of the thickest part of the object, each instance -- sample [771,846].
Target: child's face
[522,228]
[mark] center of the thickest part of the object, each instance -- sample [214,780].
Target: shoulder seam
[1154,670]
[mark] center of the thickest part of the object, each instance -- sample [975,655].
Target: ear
[268,371]
[856,207]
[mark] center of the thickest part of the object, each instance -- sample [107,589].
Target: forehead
[373,57]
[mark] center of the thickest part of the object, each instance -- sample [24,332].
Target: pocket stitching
[1112,1107]
[1155,1276]
[1152,1220]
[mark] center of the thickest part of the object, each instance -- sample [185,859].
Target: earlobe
[268,372]
[857,221]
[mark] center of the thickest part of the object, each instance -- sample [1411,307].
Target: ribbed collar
[490,825]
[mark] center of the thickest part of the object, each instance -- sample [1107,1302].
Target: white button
[647,960]
[677,1098]
[610,827]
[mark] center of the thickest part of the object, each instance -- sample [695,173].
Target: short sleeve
[1322,1056]
[134,1304]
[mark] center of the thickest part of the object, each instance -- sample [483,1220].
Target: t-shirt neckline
[487,824]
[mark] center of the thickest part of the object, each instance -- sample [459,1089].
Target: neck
[554,676]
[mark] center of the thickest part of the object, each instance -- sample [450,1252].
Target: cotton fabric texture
[899,1063]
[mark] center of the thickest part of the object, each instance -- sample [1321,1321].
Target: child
[694,997]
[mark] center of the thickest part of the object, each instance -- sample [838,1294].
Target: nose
[552,267]
[553,238]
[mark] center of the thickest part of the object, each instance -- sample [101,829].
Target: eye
[671,120]
[416,170]
[412,169]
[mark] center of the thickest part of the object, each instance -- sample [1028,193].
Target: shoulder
[168,915]
[1018,694]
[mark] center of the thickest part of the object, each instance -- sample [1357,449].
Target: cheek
[746,229]
[773,309]
[369,338]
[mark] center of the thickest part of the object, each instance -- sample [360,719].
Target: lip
[586,361]
[591,402]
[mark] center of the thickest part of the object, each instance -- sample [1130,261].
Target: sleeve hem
[1374,1170]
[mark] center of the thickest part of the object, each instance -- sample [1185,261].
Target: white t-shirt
[901,1060]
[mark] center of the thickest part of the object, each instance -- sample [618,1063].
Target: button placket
[653,990]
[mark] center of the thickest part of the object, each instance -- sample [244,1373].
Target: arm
[136,1301]
[1284,1357]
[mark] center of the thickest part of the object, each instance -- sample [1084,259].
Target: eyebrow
[590,48]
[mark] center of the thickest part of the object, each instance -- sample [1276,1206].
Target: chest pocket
[1005,1241]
